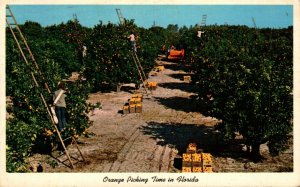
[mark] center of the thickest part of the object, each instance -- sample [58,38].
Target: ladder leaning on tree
[140,70]
[134,56]
[35,73]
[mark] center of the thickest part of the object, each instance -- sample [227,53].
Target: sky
[272,16]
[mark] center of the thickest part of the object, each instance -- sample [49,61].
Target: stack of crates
[134,105]
[195,162]
[151,85]
[187,78]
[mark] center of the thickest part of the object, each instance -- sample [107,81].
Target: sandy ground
[154,140]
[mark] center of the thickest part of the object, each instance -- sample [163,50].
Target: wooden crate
[206,159]
[186,169]
[161,68]
[187,78]
[192,146]
[196,169]
[132,108]
[125,109]
[138,108]
[138,100]
[196,157]
[186,157]
[207,169]
[132,101]
[138,96]
[152,85]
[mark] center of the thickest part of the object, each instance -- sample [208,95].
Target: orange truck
[176,54]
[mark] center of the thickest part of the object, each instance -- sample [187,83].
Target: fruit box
[186,157]
[161,68]
[196,157]
[206,156]
[132,108]
[137,100]
[187,78]
[186,169]
[207,169]
[192,146]
[137,96]
[197,169]
[138,108]
[132,101]
[125,109]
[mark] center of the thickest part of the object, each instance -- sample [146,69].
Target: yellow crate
[186,169]
[197,169]
[161,68]
[192,146]
[186,157]
[137,100]
[196,157]
[132,101]
[207,162]
[138,108]
[125,109]
[206,156]
[132,108]
[206,159]
[187,78]
[137,96]
[207,169]
[152,85]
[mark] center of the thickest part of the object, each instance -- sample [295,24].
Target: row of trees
[58,51]
[245,77]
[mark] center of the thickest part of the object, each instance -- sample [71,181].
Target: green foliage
[248,72]
[58,52]
[110,57]
[30,128]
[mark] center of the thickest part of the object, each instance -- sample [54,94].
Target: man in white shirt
[199,33]
[60,106]
[131,38]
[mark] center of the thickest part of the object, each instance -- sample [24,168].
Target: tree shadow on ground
[179,76]
[129,89]
[208,139]
[180,86]
[179,135]
[190,104]
[178,66]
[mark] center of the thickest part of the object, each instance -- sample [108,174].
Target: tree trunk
[255,152]
[119,85]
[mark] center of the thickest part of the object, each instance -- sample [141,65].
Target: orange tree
[245,78]
[30,129]
[110,57]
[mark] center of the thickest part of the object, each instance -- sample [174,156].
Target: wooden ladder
[120,16]
[25,51]
[140,70]
[203,22]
